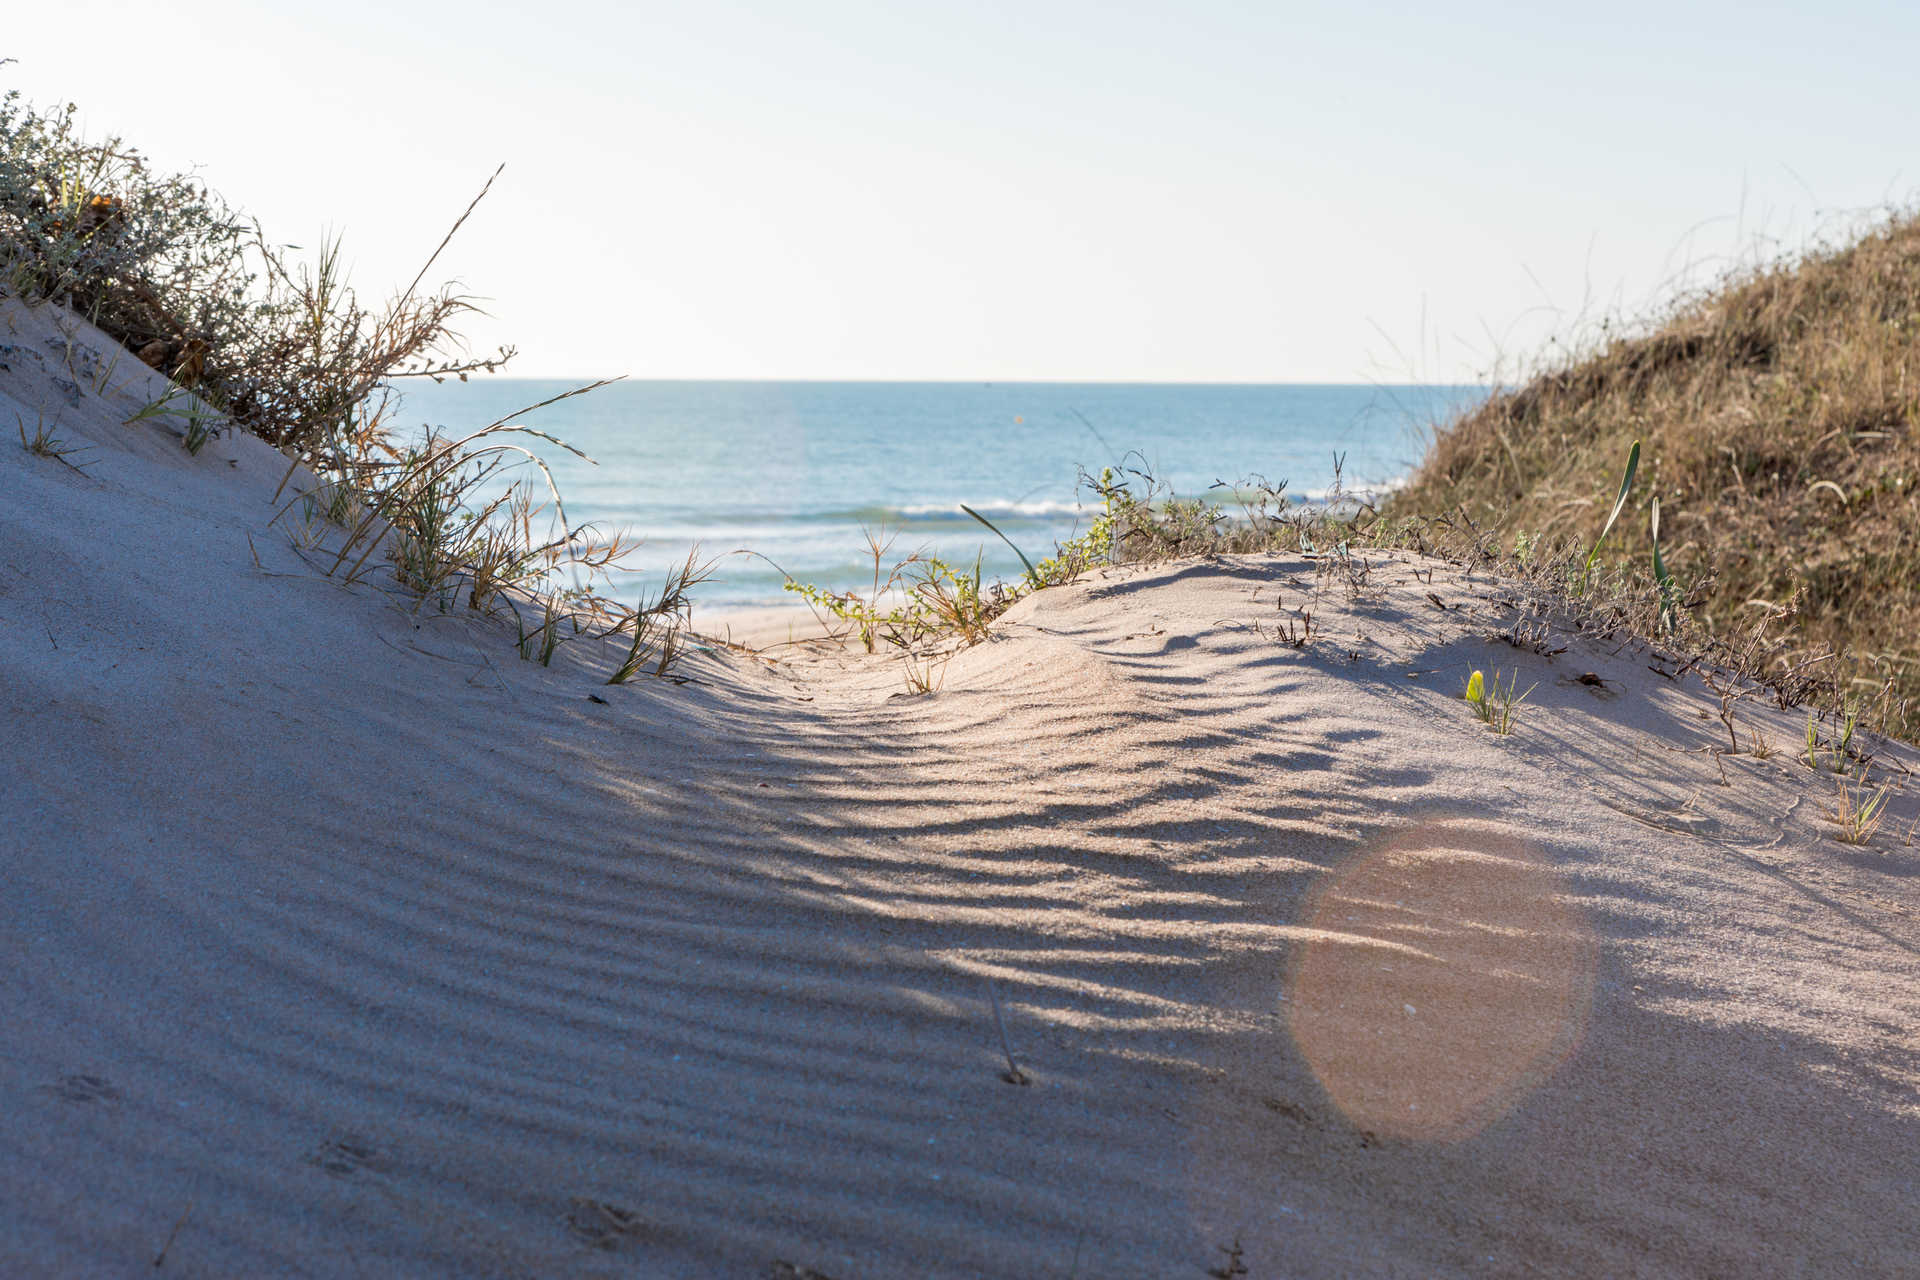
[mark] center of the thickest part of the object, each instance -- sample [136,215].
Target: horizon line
[950,381]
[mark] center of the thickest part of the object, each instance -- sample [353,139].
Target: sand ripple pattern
[342,951]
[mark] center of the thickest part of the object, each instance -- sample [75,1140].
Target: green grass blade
[1032,576]
[1660,574]
[1619,505]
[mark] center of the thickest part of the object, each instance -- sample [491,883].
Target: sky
[1046,190]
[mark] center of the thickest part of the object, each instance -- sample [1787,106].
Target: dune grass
[1777,414]
[41,442]
[252,339]
[1857,811]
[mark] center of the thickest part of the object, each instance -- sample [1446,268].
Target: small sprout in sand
[198,424]
[542,641]
[1856,813]
[1847,727]
[44,444]
[1235,1264]
[1761,746]
[1495,703]
[1284,630]
[105,374]
[1842,749]
[1013,1074]
[1669,587]
[922,676]
[311,533]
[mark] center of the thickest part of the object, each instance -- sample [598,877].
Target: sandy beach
[340,941]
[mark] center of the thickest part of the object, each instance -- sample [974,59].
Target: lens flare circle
[1444,976]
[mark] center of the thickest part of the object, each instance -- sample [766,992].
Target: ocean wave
[990,509]
[925,518]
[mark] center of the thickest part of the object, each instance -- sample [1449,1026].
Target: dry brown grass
[1778,415]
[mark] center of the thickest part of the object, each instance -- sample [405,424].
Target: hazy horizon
[1059,192]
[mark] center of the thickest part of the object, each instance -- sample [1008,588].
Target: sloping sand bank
[339,941]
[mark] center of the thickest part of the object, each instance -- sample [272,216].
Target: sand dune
[339,941]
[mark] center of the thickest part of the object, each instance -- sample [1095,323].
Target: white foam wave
[992,510]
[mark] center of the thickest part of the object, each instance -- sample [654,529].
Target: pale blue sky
[1203,191]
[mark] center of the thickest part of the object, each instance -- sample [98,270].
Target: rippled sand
[338,941]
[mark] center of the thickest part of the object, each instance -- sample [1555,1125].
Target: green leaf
[1619,504]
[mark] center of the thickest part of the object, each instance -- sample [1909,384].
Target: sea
[779,481]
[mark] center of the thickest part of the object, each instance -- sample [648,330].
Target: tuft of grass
[196,422]
[954,601]
[655,628]
[1840,748]
[922,674]
[543,639]
[44,444]
[1856,812]
[1493,703]
[918,597]
[922,596]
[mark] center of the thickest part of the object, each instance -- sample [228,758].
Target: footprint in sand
[346,1155]
[83,1090]
[790,1271]
[607,1226]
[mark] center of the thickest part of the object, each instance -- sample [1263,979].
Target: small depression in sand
[1442,979]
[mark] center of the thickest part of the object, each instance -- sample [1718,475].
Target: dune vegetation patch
[252,336]
[1776,414]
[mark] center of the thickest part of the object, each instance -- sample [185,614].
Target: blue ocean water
[793,471]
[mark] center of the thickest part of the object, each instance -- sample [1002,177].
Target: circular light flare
[1444,976]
